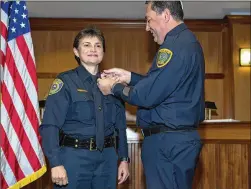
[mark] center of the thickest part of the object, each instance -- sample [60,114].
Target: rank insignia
[56,86]
[164,56]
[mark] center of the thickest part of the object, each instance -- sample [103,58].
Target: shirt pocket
[83,107]
[110,110]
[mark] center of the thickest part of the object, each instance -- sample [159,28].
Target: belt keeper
[62,138]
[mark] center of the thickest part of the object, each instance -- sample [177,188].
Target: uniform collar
[84,74]
[177,30]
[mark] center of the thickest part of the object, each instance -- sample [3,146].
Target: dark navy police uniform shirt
[172,92]
[70,107]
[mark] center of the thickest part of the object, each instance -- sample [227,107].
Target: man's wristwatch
[127,159]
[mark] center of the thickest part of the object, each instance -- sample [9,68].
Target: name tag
[82,90]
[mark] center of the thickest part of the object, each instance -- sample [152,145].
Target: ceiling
[131,9]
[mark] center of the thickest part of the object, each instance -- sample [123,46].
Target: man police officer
[170,98]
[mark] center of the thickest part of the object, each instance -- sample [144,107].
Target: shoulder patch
[56,86]
[164,56]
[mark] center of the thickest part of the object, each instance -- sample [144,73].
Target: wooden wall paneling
[206,167]
[211,43]
[76,24]
[233,167]
[54,50]
[228,85]
[241,39]
[214,92]
[44,87]
[127,48]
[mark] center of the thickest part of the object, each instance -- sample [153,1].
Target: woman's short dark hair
[90,31]
[175,8]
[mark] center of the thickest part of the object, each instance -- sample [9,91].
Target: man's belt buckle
[91,145]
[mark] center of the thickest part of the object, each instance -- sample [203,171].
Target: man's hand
[105,85]
[59,176]
[123,172]
[120,75]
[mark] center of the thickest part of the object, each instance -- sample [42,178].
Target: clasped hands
[112,76]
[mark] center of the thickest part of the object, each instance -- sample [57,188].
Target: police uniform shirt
[71,106]
[172,92]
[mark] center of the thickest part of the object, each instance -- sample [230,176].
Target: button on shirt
[172,92]
[71,107]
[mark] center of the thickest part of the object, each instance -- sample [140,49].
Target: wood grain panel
[214,92]
[54,50]
[241,39]
[233,167]
[73,24]
[211,43]
[206,166]
[43,87]
[228,87]
[126,50]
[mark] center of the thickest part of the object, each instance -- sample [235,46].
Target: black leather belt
[89,144]
[161,129]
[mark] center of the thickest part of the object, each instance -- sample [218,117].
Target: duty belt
[90,144]
[162,129]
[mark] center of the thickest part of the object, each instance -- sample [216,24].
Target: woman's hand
[59,176]
[123,172]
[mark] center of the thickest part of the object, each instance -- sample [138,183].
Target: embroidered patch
[82,90]
[164,56]
[56,86]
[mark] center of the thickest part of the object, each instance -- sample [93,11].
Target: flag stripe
[23,120]
[4,24]
[16,142]
[22,124]
[25,89]
[26,95]
[3,31]
[2,56]
[10,154]
[29,43]
[27,60]
[4,17]
[3,45]
[24,73]
[7,170]
[3,182]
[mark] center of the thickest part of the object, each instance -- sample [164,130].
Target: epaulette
[68,72]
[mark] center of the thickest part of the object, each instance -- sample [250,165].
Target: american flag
[22,159]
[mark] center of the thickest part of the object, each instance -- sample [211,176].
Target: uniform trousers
[89,169]
[169,159]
